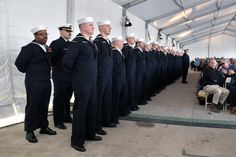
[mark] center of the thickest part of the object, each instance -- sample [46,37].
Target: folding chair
[206,100]
[204,93]
[227,81]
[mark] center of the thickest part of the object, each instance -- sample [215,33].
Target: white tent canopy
[186,18]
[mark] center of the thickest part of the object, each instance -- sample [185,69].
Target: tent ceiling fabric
[186,19]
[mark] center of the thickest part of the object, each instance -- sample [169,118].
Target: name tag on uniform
[84,42]
[65,49]
[104,42]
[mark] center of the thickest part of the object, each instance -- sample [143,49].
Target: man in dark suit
[61,79]
[81,60]
[104,84]
[185,61]
[33,61]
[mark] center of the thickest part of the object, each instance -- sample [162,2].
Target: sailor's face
[88,28]
[41,37]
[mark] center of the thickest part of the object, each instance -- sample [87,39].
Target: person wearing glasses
[61,79]
[33,60]
[211,85]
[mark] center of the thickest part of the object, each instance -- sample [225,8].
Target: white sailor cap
[156,43]
[104,22]
[38,28]
[116,38]
[130,35]
[148,42]
[85,20]
[66,27]
[140,40]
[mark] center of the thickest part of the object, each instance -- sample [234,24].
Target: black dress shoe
[152,95]
[78,148]
[111,125]
[61,126]
[67,121]
[47,131]
[95,138]
[143,102]
[31,137]
[101,132]
[135,108]
[117,122]
[184,82]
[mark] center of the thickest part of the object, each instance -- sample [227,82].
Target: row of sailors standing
[107,81]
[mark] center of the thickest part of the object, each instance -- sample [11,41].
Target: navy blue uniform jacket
[33,61]
[130,59]
[59,48]
[140,62]
[81,60]
[104,57]
[118,65]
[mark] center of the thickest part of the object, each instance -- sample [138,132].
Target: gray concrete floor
[129,139]
[179,100]
[138,139]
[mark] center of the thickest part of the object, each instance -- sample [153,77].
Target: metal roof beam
[230,34]
[133,3]
[231,30]
[207,34]
[200,15]
[176,3]
[202,38]
[176,11]
[201,35]
[203,23]
[203,31]
[193,41]
[199,32]
[230,23]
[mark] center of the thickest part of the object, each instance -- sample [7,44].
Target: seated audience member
[231,61]
[211,83]
[223,72]
[196,63]
[233,65]
[221,62]
[202,65]
[232,88]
